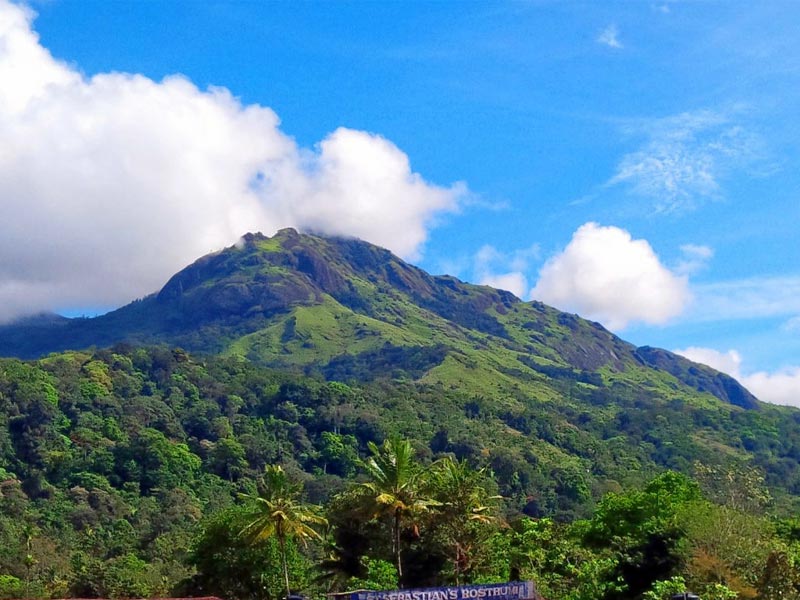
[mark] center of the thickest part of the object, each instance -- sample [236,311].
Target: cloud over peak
[112,183]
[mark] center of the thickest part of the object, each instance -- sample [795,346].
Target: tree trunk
[282,544]
[396,532]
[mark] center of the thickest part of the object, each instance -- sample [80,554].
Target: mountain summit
[347,309]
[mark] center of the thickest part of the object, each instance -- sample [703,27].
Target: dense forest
[146,471]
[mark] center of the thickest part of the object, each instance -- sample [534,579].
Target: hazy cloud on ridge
[504,271]
[779,387]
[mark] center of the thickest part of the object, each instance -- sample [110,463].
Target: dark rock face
[700,377]
[590,348]
[731,390]
[313,264]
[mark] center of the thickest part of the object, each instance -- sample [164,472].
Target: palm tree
[465,505]
[394,490]
[281,514]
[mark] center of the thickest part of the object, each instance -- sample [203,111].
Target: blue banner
[516,590]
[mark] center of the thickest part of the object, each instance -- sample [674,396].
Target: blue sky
[634,162]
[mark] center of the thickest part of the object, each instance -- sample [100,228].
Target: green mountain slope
[349,310]
[303,350]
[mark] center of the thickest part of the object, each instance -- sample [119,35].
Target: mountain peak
[284,233]
[345,308]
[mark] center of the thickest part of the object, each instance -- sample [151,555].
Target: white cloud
[685,158]
[792,325]
[610,37]
[751,298]
[112,183]
[504,271]
[697,251]
[514,282]
[362,185]
[779,387]
[728,362]
[695,258]
[606,275]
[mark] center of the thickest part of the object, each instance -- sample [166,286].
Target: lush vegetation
[140,471]
[351,421]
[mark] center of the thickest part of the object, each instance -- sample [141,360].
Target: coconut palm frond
[279,513]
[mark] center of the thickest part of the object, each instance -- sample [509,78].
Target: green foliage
[635,515]
[717,591]
[278,513]
[231,566]
[228,459]
[338,453]
[665,589]
[643,529]
[729,547]
[103,493]
[394,490]
[552,555]
[10,587]
[466,514]
[737,486]
[127,576]
[379,575]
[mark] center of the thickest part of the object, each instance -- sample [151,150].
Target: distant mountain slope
[350,310]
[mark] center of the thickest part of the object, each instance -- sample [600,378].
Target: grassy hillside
[346,310]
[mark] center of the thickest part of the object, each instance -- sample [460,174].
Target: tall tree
[281,514]
[467,507]
[394,490]
[644,529]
